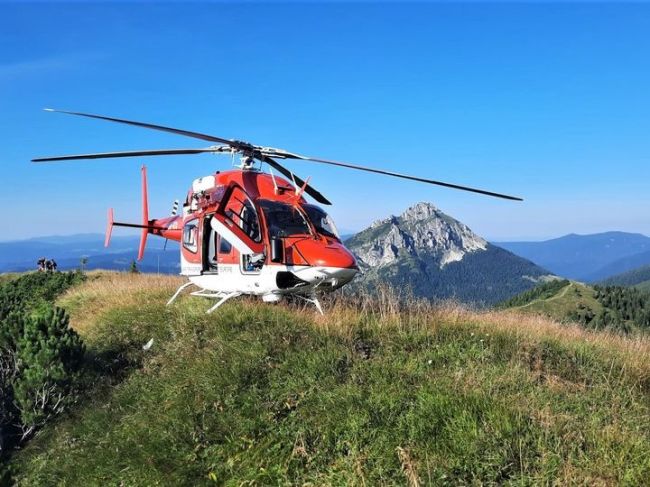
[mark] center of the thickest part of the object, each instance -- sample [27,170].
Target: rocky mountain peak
[420,211]
[421,231]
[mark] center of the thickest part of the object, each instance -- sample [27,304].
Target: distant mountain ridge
[438,257]
[587,258]
[67,250]
[621,266]
[423,248]
[634,277]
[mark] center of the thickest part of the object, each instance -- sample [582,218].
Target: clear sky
[547,101]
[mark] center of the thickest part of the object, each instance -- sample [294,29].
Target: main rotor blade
[210,138]
[288,174]
[259,152]
[403,176]
[136,153]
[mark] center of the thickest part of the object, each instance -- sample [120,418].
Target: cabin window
[210,243]
[284,219]
[190,235]
[241,211]
[322,222]
[249,221]
[224,246]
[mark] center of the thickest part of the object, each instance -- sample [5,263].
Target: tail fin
[145,214]
[146,225]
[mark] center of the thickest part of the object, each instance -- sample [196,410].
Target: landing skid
[204,293]
[221,301]
[223,297]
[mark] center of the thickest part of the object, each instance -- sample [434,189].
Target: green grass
[260,394]
[8,276]
[563,302]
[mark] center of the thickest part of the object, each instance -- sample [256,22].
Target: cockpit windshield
[321,221]
[283,219]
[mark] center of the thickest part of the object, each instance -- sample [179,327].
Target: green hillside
[617,309]
[560,299]
[638,276]
[369,394]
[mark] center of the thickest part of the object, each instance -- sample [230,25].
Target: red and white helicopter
[244,231]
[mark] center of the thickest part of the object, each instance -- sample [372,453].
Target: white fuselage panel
[230,278]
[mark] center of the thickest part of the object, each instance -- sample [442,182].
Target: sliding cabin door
[237,225]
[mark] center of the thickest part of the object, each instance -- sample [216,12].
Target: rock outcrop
[422,227]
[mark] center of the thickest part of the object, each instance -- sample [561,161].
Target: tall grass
[379,391]
[388,308]
[106,290]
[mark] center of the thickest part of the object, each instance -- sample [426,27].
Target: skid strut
[223,300]
[313,300]
[178,291]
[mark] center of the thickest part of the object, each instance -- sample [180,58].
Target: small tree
[50,354]
[133,269]
[83,261]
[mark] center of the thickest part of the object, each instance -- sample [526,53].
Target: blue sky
[547,101]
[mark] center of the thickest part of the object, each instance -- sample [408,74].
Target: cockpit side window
[284,219]
[322,222]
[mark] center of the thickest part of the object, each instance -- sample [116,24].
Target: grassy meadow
[369,394]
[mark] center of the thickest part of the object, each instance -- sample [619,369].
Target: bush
[35,291]
[49,355]
[40,355]
[10,329]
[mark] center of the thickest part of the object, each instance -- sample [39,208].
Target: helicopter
[244,231]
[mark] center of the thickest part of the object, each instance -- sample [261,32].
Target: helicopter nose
[331,265]
[333,254]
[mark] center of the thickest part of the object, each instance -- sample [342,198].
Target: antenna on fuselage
[295,186]
[275,183]
[302,190]
[175,208]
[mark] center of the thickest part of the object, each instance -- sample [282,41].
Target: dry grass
[408,467]
[386,308]
[105,290]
